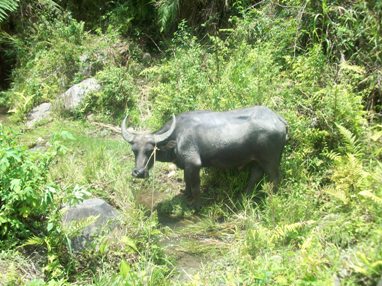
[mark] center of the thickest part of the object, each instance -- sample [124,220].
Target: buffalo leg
[256,174]
[275,178]
[192,179]
[187,191]
[273,173]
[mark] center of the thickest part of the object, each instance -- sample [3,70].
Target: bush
[118,93]
[59,55]
[47,63]
[182,80]
[25,193]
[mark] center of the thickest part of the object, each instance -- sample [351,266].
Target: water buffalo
[252,136]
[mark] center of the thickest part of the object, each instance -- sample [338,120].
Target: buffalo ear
[169,145]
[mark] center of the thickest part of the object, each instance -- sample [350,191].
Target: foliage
[346,31]
[48,60]
[315,63]
[7,6]
[202,15]
[99,164]
[26,194]
[118,93]
[56,57]
[326,170]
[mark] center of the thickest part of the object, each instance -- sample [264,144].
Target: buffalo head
[143,146]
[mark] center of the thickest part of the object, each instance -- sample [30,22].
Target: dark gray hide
[252,136]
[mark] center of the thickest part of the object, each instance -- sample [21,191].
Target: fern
[33,241]
[367,266]
[338,194]
[51,5]
[281,232]
[331,155]
[6,7]
[73,228]
[368,194]
[352,145]
[167,12]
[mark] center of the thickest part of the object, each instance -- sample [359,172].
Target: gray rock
[73,97]
[38,113]
[146,58]
[379,282]
[95,214]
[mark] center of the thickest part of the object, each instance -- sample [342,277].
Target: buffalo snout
[139,173]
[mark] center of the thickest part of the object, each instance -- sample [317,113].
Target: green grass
[300,236]
[324,224]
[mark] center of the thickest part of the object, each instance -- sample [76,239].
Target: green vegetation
[317,63]
[25,192]
[6,7]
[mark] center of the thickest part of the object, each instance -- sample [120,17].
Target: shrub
[47,63]
[58,55]
[118,93]
[25,193]
[182,80]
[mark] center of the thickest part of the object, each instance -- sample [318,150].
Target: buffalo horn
[161,137]
[128,136]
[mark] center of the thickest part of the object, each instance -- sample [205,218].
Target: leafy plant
[26,193]
[118,93]
[7,6]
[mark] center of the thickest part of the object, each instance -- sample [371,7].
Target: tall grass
[323,226]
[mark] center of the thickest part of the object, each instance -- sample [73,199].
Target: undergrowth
[301,59]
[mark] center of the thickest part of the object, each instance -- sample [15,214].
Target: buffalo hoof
[197,205]
[194,203]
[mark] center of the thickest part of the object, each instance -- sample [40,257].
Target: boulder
[95,214]
[38,113]
[73,97]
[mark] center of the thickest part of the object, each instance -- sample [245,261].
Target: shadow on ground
[185,237]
